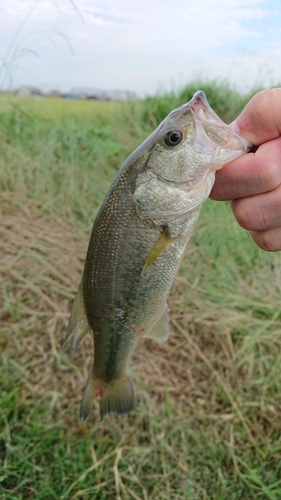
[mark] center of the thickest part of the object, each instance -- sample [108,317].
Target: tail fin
[116,396]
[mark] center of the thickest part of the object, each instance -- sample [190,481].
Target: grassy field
[207,423]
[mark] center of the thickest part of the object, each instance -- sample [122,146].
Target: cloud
[101,14]
[144,44]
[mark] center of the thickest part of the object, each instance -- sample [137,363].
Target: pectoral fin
[160,329]
[158,247]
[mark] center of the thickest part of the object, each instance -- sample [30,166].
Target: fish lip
[202,110]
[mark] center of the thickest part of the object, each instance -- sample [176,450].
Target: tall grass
[222,98]
[207,419]
[62,152]
[65,152]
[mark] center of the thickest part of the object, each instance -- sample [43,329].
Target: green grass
[64,152]
[207,419]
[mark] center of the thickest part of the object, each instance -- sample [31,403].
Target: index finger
[260,120]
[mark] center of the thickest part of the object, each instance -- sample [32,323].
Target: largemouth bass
[138,239]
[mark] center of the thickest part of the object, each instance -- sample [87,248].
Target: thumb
[260,120]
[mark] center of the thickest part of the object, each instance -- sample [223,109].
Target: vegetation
[207,423]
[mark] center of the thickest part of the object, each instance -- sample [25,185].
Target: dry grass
[41,265]
[190,387]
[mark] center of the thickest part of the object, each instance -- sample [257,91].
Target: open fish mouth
[202,110]
[213,126]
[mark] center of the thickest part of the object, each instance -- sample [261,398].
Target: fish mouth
[221,134]
[202,110]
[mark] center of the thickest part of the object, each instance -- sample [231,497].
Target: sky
[144,46]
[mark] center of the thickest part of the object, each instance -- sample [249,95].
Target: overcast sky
[140,45]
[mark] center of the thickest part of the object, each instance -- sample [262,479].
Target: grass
[73,149]
[207,419]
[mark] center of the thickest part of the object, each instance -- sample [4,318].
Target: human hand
[253,181]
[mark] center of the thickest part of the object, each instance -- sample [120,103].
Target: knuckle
[243,214]
[270,177]
[266,241]
[252,214]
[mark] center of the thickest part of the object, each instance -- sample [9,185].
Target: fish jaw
[209,126]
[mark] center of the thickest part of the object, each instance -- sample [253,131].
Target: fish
[138,240]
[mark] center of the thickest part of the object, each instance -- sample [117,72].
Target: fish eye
[173,137]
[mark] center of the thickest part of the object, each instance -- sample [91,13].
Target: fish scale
[138,240]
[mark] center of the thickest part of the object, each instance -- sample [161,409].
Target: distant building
[32,91]
[102,95]
[75,93]
[88,93]
[121,95]
[28,91]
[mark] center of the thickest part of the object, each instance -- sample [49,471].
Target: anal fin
[160,329]
[78,325]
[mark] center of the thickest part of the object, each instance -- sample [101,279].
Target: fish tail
[116,396]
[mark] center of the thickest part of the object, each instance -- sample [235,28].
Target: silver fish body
[138,239]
